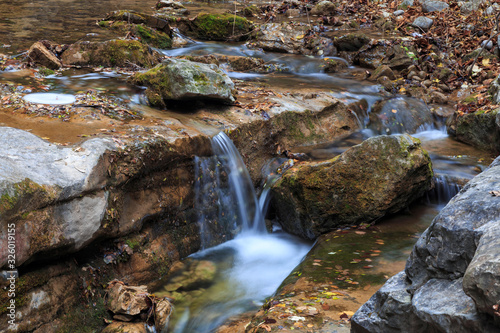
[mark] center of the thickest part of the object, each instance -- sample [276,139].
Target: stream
[253,263]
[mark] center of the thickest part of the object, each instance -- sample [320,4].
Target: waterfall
[445,188]
[225,197]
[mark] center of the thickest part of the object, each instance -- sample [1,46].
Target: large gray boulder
[184,80]
[35,174]
[453,272]
[380,176]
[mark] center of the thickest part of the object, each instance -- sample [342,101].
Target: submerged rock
[451,276]
[380,176]
[399,115]
[120,53]
[182,80]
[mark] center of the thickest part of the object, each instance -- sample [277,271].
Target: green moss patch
[221,27]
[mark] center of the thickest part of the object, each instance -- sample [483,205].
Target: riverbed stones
[452,274]
[183,80]
[133,17]
[378,177]
[114,53]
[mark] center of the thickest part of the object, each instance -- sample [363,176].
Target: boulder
[397,57]
[399,115]
[434,6]
[380,176]
[40,55]
[334,65]
[278,37]
[351,42]
[383,70]
[182,80]
[453,270]
[148,35]
[133,17]
[221,27]
[120,53]
[324,8]
[483,273]
[34,175]
[480,129]
[388,310]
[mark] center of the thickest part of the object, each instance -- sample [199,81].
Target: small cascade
[225,197]
[445,188]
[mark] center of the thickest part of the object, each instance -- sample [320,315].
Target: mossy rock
[480,129]
[148,35]
[484,54]
[221,27]
[180,79]
[381,176]
[119,53]
[133,17]
[251,11]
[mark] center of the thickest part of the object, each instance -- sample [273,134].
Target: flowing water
[251,263]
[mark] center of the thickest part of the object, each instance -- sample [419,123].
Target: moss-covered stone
[182,79]
[150,36]
[251,11]
[120,53]
[480,129]
[221,27]
[378,177]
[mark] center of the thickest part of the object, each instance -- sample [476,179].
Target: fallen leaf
[495,193]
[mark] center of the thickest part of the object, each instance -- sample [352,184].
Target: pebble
[398,12]
[423,22]
[487,44]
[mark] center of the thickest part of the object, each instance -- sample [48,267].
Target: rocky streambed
[103,188]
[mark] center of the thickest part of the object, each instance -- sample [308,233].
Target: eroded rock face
[378,177]
[179,79]
[40,55]
[451,276]
[127,300]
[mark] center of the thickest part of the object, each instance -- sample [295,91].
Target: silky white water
[250,266]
